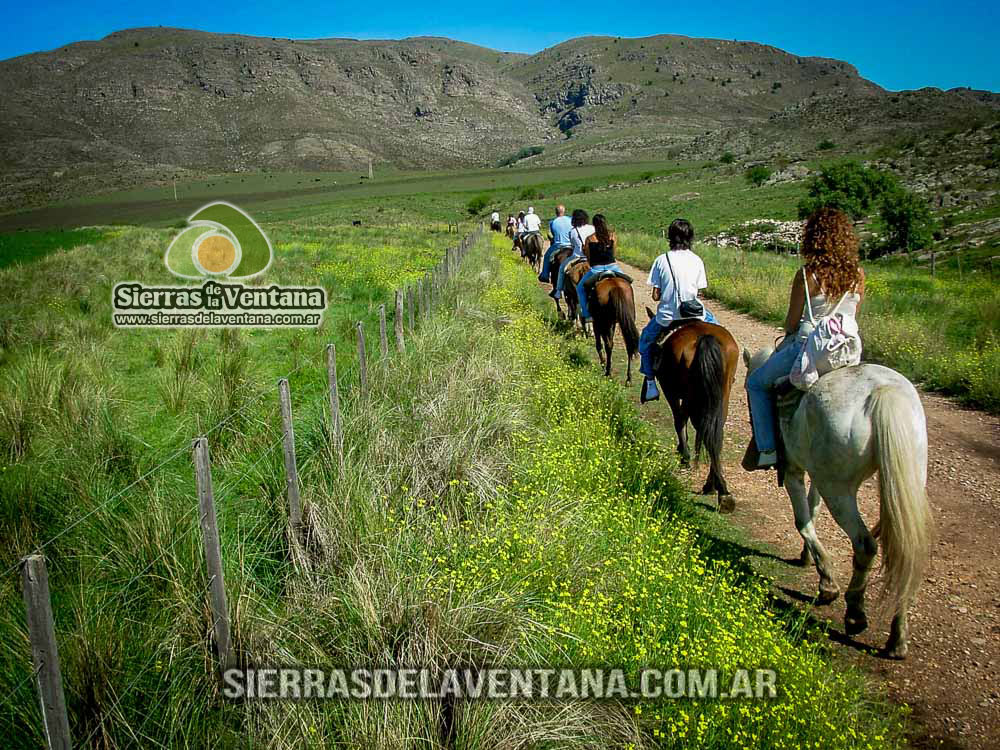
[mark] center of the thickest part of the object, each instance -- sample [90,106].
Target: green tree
[849,186]
[907,220]
[477,204]
[758,175]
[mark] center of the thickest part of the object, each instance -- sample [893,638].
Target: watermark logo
[298,683]
[223,248]
[220,240]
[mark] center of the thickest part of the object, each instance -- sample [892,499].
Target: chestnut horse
[696,368]
[611,304]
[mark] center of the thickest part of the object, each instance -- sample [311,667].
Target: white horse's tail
[905,517]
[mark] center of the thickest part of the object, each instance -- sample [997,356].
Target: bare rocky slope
[144,104]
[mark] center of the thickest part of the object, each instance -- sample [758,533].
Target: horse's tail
[625,313]
[707,381]
[905,517]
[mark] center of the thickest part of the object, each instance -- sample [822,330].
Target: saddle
[671,329]
[597,278]
[560,255]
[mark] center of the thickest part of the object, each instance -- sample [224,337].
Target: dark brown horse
[531,249]
[611,304]
[573,275]
[696,368]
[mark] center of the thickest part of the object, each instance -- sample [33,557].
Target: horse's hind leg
[804,512]
[609,344]
[843,504]
[680,425]
[597,343]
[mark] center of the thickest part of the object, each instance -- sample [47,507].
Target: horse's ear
[746,356]
[650,313]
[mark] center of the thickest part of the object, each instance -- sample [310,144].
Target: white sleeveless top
[821,306]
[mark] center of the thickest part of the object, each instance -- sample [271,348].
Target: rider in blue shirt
[560,228]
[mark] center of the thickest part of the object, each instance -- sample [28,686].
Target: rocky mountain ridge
[143,104]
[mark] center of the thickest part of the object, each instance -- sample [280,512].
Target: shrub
[728,158]
[826,145]
[849,186]
[529,193]
[907,220]
[524,153]
[758,175]
[477,204]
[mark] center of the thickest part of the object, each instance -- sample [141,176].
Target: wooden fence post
[213,554]
[933,263]
[362,361]
[410,304]
[44,653]
[383,341]
[291,469]
[397,320]
[331,380]
[427,295]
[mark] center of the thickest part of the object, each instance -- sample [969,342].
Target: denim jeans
[547,261]
[648,337]
[759,394]
[584,312]
[561,280]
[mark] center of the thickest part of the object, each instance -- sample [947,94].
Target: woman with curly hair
[831,274]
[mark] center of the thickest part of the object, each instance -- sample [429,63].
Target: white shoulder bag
[833,342]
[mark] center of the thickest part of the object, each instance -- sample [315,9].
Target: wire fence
[412,304]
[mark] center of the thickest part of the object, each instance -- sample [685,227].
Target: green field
[941,332]
[484,514]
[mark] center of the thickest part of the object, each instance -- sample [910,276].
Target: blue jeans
[584,312]
[759,395]
[561,280]
[648,337]
[547,260]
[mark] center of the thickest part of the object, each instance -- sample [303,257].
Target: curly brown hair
[830,249]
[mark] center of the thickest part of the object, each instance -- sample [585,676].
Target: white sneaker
[649,390]
[767,460]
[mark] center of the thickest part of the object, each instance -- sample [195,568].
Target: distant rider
[600,251]
[582,229]
[531,221]
[560,228]
[689,271]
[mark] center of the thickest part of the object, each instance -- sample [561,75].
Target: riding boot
[751,457]
[648,391]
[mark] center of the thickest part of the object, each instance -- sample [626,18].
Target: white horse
[853,422]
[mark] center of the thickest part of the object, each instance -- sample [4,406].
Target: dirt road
[952,675]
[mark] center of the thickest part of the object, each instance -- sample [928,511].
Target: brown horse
[696,368]
[531,249]
[611,304]
[510,231]
[573,275]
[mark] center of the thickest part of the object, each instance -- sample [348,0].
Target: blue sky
[897,44]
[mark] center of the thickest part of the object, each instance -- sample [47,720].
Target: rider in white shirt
[677,275]
[531,221]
